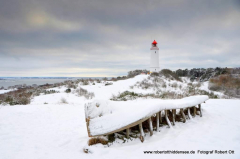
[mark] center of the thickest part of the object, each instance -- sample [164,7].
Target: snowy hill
[50,127]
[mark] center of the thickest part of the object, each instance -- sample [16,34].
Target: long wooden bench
[145,109]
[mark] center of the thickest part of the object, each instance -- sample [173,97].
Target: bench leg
[199,106]
[183,115]
[150,126]
[174,115]
[166,117]
[189,114]
[128,132]
[141,132]
[157,118]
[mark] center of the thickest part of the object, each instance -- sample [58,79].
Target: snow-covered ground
[57,130]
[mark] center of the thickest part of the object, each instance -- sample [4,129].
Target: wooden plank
[174,115]
[189,114]
[157,118]
[127,132]
[199,106]
[160,116]
[141,132]
[183,115]
[166,117]
[150,126]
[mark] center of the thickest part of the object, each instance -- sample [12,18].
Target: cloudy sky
[86,38]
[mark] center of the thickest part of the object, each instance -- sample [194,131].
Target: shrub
[85,82]
[229,84]
[169,74]
[85,93]
[68,90]
[48,91]
[154,74]
[105,79]
[64,101]
[107,84]
[98,81]
[175,85]
[97,140]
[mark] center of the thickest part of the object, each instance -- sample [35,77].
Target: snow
[5,91]
[132,111]
[58,130]
[105,92]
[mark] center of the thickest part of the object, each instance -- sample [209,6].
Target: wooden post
[189,114]
[174,115]
[183,115]
[160,116]
[127,132]
[141,132]
[166,117]
[87,123]
[157,118]
[194,111]
[199,106]
[150,126]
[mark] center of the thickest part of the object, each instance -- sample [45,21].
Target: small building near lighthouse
[154,63]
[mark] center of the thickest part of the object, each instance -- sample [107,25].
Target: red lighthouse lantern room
[154,43]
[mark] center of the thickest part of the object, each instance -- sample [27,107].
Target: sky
[108,38]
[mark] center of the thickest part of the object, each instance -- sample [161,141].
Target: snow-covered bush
[17,97]
[83,92]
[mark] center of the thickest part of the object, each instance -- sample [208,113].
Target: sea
[29,81]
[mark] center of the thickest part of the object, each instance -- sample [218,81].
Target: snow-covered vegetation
[164,86]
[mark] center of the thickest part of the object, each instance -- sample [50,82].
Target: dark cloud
[109,38]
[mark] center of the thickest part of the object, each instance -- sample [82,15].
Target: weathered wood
[157,118]
[194,111]
[173,115]
[183,115]
[87,124]
[189,114]
[160,116]
[127,132]
[141,132]
[199,106]
[150,126]
[167,120]
[137,122]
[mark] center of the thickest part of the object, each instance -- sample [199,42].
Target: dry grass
[228,83]
[97,140]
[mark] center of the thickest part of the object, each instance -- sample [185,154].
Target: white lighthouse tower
[154,65]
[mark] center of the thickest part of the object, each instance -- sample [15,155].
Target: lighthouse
[154,65]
